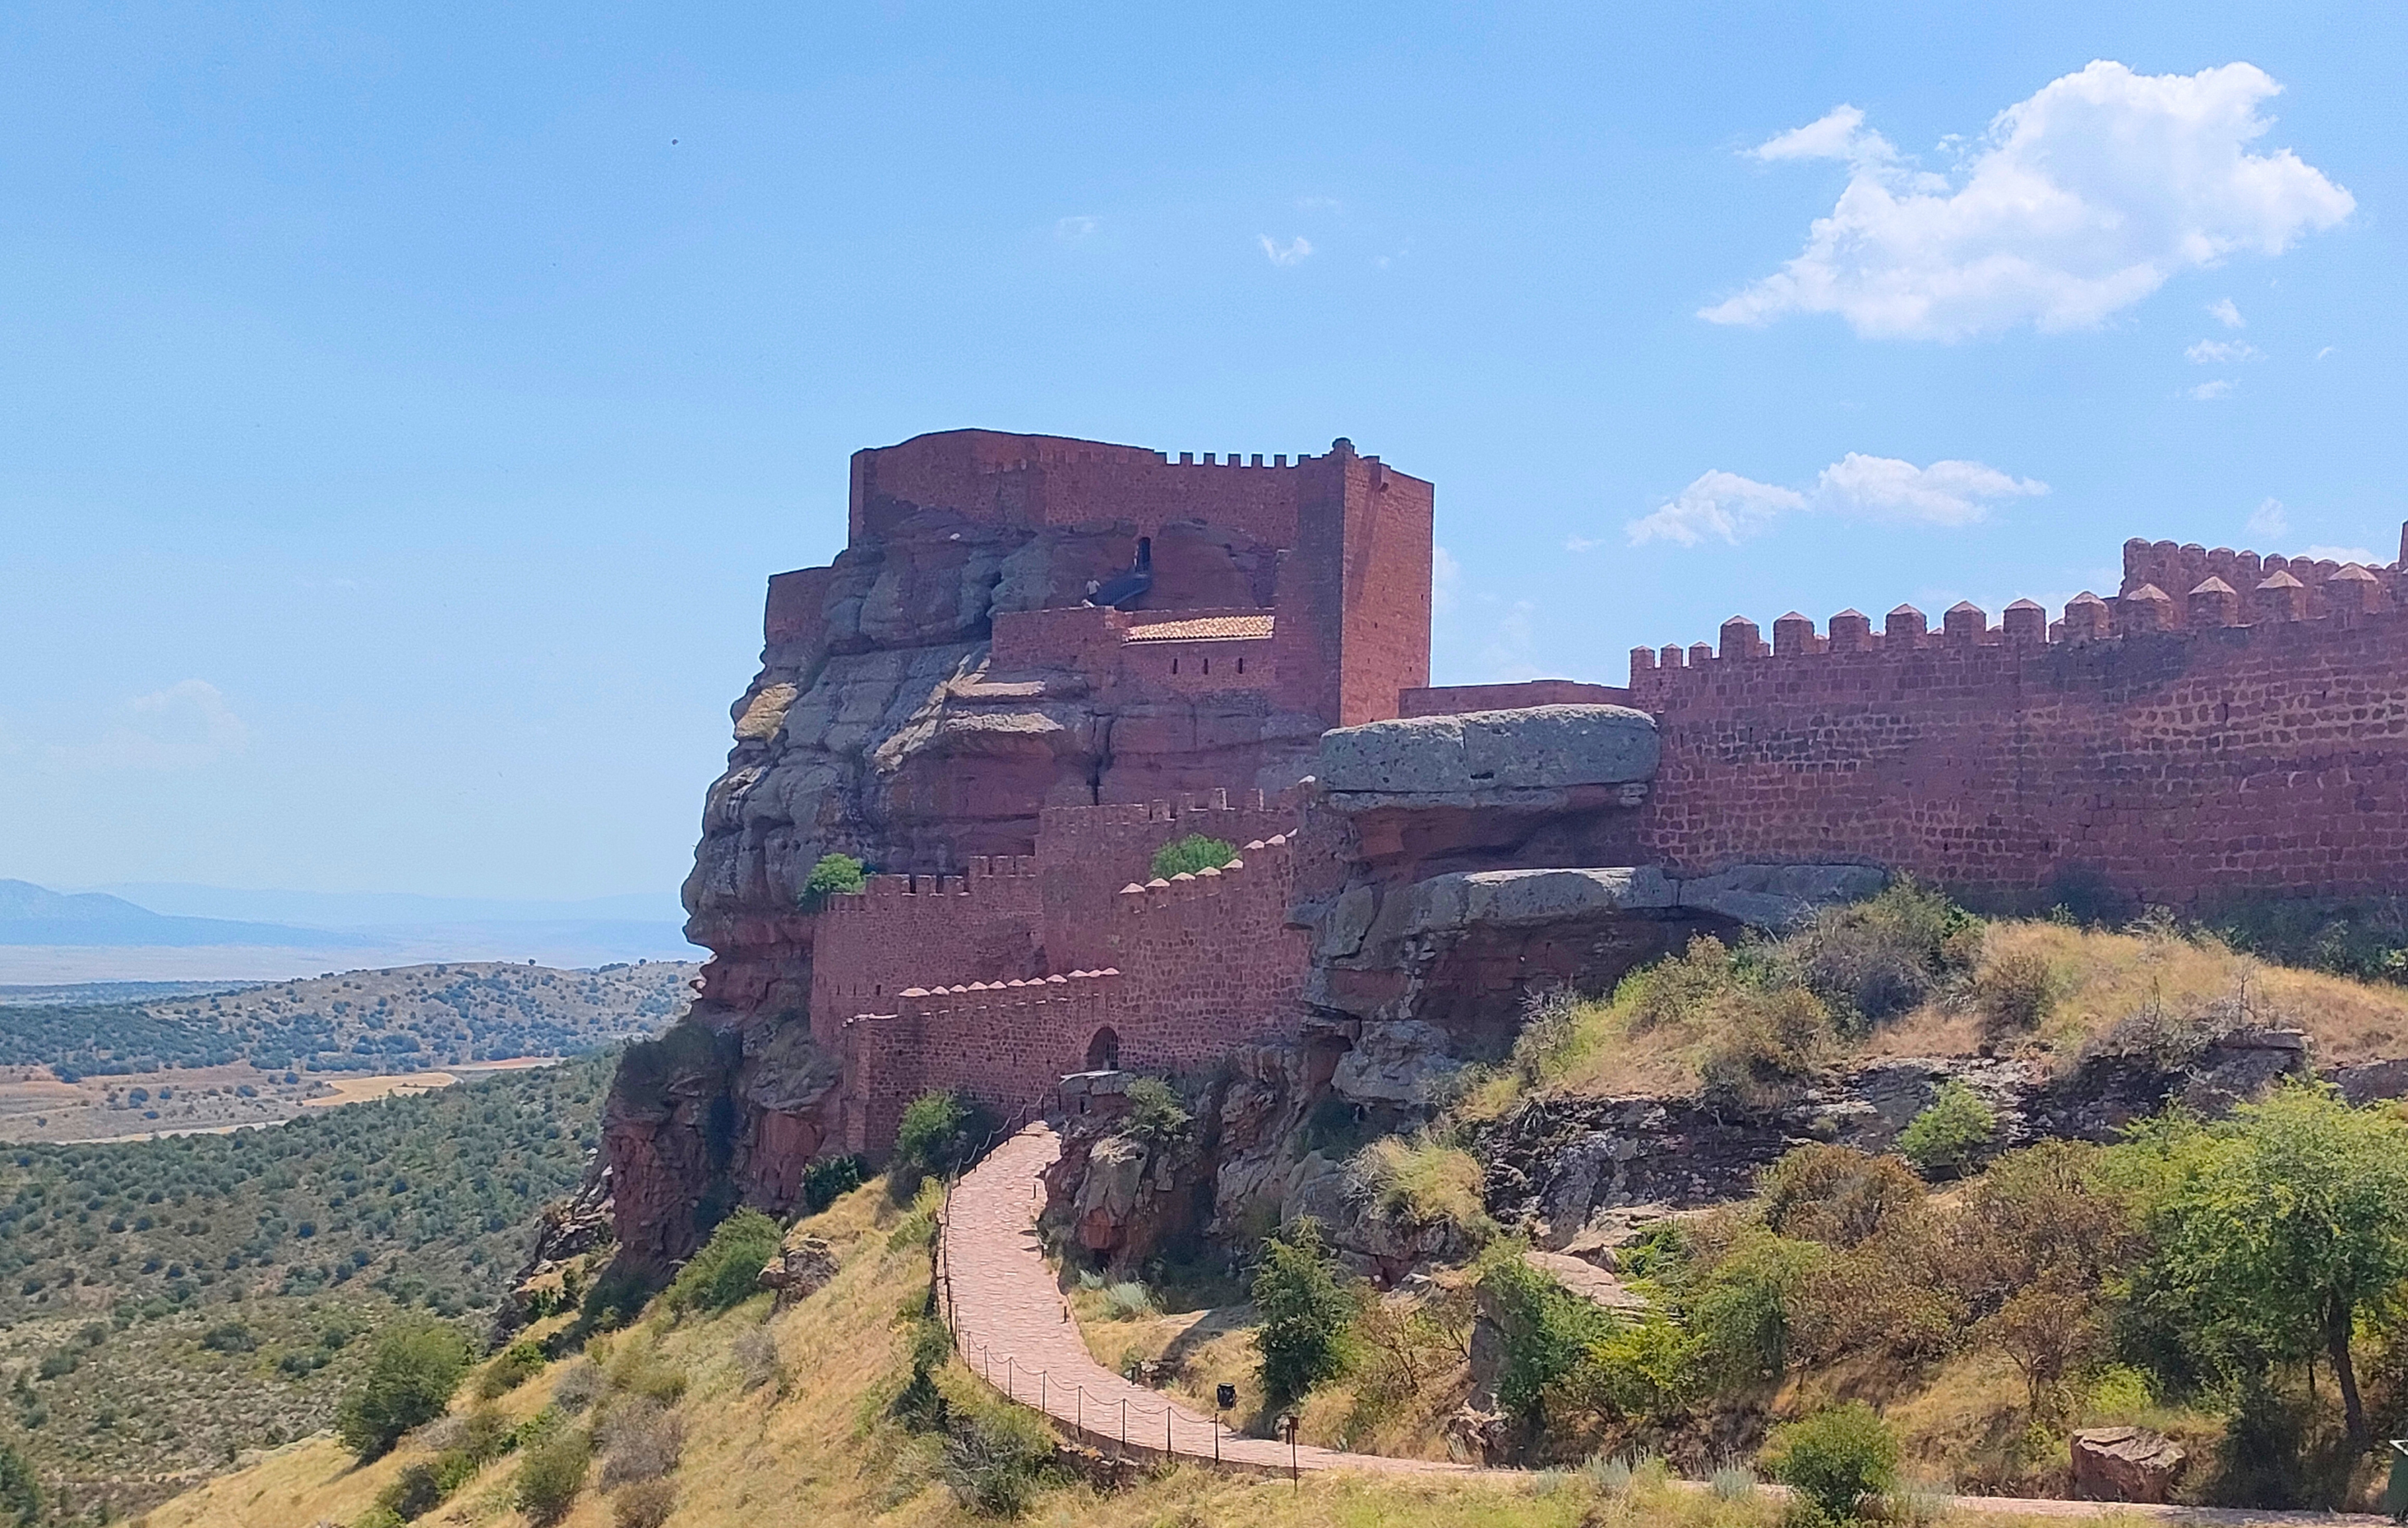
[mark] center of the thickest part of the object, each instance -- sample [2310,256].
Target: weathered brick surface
[924,931]
[2181,762]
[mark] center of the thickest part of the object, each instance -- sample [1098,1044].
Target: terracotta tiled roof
[1203,627]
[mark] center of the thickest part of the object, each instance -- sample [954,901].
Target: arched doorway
[1104,1051]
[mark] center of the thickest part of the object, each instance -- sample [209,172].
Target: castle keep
[1038,660]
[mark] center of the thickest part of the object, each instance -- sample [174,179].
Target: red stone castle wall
[2152,740]
[1086,853]
[1004,1043]
[1208,960]
[924,931]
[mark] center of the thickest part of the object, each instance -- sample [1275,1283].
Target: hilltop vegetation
[395,1021]
[165,1305]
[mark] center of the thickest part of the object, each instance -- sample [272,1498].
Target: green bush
[416,1491]
[229,1337]
[939,1133]
[517,1364]
[1740,1313]
[20,1493]
[1875,959]
[1186,855]
[551,1476]
[1945,1137]
[1155,1112]
[828,1179]
[1547,1331]
[835,875]
[1305,1313]
[728,1268]
[1767,1045]
[1835,1458]
[409,1382]
[2015,992]
[997,1461]
[647,1504]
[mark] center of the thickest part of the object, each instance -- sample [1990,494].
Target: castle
[1041,659]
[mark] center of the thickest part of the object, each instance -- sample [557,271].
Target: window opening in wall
[1104,1051]
[1241,666]
[1208,666]
[1174,665]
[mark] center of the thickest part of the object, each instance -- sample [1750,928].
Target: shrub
[409,1382]
[1186,855]
[641,1440]
[1875,959]
[728,1268]
[830,1178]
[997,1461]
[416,1491]
[835,874]
[1945,1136]
[580,1387]
[1835,1458]
[1155,1112]
[516,1364]
[1420,1182]
[1835,1194]
[1740,1315]
[938,1134]
[20,1492]
[647,1504]
[755,1352]
[229,1337]
[1129,1301]
[549,1477]
[1305,1313]
[2014,992]
[1546,1330]
[1765,1045]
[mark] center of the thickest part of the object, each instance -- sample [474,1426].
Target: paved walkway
[1012,1326]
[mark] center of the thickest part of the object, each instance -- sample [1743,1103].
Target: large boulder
[2125,1465]
[1533,757]
[802,1267]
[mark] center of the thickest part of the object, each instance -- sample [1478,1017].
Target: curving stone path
[1012,1326]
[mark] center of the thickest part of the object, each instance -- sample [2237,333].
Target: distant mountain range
[32,915]
[181,932]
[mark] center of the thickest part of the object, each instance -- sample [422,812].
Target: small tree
[1186,855]
[1946,1135]
[933,1137]
[2275,1229]
[836,874]
[830,1178]
[409,1382]
[1835,1458]
[1305,1313]
[20,1493]
[1547,1329]
[2045,1330]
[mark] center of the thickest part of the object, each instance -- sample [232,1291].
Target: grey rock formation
[1533,757]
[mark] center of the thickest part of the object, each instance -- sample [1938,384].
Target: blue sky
[403,404]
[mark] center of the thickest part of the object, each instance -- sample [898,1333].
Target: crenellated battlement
[986,876]
[1260,858]
[2282,593]
[989,1002]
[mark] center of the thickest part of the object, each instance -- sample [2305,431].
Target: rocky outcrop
[2125,1465]
[1557,1168]
[802,1267]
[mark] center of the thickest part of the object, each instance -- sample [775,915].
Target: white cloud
[1725,506]
[184,727]
[1072,229]
[1290,253]
[2221,353]
[2226,315]
[2208,392]
[2359,554]
[2076,202]
[2322,354]
[2268,519]
[1446,581]
[1720,504]
[1510,653]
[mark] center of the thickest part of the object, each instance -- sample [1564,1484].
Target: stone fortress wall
[2245,735]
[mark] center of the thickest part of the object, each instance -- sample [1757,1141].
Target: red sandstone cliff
[891,721]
